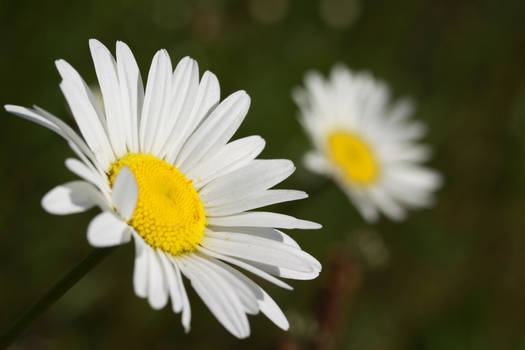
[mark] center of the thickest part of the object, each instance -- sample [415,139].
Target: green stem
[57,291]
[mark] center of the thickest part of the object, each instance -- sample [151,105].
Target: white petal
[230,157]
[362,202]
[183,92]
[156,99]
[107,230]
[72,197]
[409,196]
[383,201]
[284,272]
[125,193]
[246,266]
[208,95]
[261,250]
[86,113]
[29,114]
[215,131]
[253,241]
[131,94]
[88,173]
[157,284]
[264,232]
[244,293]
[414,177]
[263,219]
[271,310]
[264,302]
[186,310]
[258,175]
[406,153]
[218,297]
[105,67]
[51,122]
[141,269]
[173,284]
[316,163]
[254,201]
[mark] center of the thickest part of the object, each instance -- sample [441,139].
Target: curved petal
[257,176]
[244,293]
[261,250]
[141,269]
[246,266]
[218,296]
[157,284]
[125,193]
[107,230]
[131,94]
[86,112]
[215,131]
[208,95]
[263,219]
[264,302]
[186,310]
[72,197]
[254,201]
[105,67]
[264,232]
[156,99]
[185,82]
[230,157]
[87,173]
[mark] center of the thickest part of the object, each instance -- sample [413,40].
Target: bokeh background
[450,277]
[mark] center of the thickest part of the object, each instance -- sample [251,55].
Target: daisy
[366,143]
[159,165]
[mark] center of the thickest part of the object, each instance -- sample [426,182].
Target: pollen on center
[169,214]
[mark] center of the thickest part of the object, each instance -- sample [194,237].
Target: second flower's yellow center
[353,157]
[169,214]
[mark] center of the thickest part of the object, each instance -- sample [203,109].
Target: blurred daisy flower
[159,165]
[366,143]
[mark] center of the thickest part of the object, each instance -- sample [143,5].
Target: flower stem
[58,290]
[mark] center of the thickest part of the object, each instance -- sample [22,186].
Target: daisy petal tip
[10,108]
[282,323]
[186,322]
[207,75]
[94,43]
[58,63]
[243,96]
[243,334]
[313,225]
[186,59]
[157,304]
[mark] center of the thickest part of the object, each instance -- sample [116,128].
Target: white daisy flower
[159,165]
[366,143]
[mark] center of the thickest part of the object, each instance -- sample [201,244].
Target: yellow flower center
[169,214]
[353,157]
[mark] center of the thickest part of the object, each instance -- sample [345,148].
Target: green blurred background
[450,277]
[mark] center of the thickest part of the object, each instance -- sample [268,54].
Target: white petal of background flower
[359,106]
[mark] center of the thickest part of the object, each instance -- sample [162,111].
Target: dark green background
[455,277]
